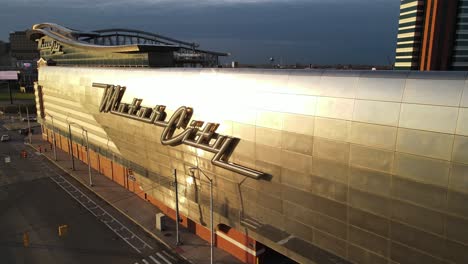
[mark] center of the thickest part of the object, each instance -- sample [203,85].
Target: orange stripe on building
[431,40]
[425,35]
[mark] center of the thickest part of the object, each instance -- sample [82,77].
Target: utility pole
[212,220]
[211,209]
[29,125]
[178,242]
[9,90]
[71,146]
[89,161]
[55,142]
[19,112]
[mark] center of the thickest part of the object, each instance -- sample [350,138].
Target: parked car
[5,138]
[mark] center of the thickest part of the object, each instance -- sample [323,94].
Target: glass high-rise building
[460,54]
[432,35]
[409,34]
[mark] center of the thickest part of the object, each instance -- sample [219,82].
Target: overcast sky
[302,31]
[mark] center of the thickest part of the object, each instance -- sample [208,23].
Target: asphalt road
[32,200]
[39,207]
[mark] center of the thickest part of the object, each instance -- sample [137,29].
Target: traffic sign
[7,159]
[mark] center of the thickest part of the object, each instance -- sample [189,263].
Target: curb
[115,207]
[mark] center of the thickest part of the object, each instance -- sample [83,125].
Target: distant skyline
[291,31]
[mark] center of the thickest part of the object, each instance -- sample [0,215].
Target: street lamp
[191,169]
[53,137]
[29,125]
[178,242]
[71,145]
[87,157]
[87,150]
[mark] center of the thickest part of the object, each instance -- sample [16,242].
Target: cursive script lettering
[53,46]
[195,134]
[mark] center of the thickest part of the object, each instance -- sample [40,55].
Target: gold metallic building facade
[371,167]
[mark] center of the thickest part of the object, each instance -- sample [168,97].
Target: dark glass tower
[431,35]
[410,29]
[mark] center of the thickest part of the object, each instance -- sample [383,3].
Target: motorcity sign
[195,134]
[53,46]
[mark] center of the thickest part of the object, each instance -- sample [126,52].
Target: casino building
[432,35]
[319,166]
[117,48]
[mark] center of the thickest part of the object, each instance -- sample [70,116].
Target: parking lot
[14,124]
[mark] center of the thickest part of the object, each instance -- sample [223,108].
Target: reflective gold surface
[362,163]
[429,118]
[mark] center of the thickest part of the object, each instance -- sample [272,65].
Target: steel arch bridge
[120,36]
[122,41]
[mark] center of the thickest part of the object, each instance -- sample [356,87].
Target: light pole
[29,125]
[53,137]
[9,90]
[211,208]
[71,145]
[87,157]
[87,150]
[178,242]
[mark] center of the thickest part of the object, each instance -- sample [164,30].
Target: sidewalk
[141,212]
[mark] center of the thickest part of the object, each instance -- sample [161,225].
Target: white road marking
[155,260]
[77,195]
[90,205]
[163,258]
[168,255]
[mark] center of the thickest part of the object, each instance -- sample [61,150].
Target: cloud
[136,3]
[152,2]
[143,4]
[309,31]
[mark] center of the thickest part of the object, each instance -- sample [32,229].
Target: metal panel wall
[370,166]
